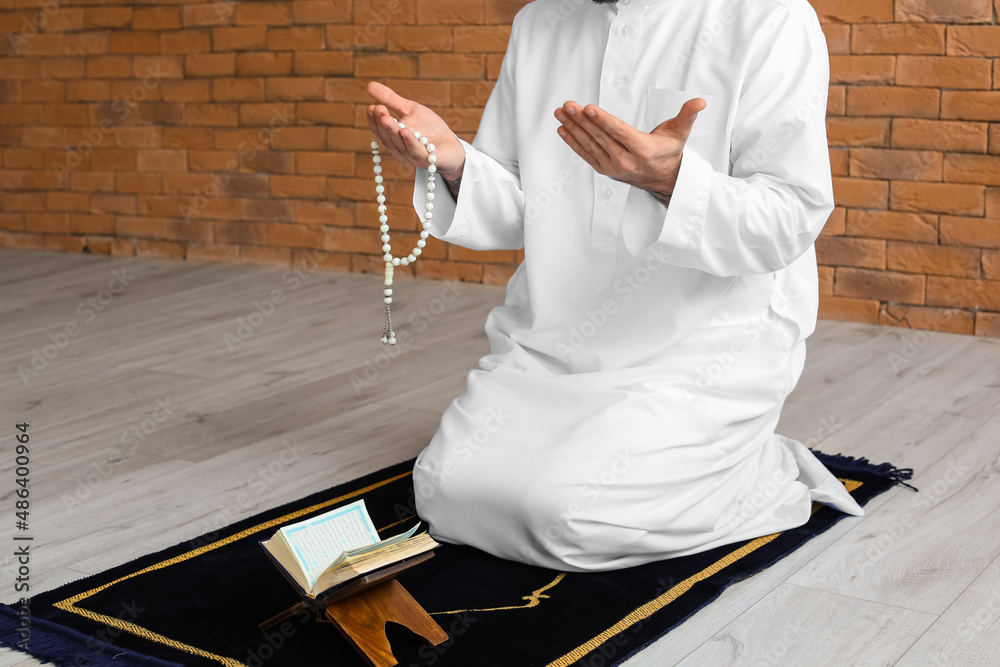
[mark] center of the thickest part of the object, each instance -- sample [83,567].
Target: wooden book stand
[360,608]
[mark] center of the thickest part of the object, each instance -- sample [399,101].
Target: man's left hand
[647,160]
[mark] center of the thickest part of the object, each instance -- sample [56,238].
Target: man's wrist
[661,197]
[453,175]
[453,180]
[664,193]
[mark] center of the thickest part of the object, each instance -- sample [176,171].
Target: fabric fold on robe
[615,425]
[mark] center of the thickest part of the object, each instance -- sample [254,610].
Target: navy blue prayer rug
[199,603]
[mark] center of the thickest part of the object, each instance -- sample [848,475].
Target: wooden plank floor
[158,418]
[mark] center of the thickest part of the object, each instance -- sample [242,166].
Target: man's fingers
[616,130]
[397,105]
[684,122]
[414,148]
[373,124]
[579,150]
[379,129]
[381,132]
[390,130]
[390,105]
[411,150]
[402,142]
[583,138]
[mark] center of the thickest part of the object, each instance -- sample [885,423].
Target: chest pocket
[710,135]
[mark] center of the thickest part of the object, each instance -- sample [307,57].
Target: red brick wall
[233,130]
[914,129]
[236,131]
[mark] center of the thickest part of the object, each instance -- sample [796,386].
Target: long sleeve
[489,213]
[779,195]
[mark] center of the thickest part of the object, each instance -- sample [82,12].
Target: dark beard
[603,2]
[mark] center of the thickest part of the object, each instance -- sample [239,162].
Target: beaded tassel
[388,335]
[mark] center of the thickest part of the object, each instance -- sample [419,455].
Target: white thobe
[638,365]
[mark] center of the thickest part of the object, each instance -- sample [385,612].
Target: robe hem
[847,463]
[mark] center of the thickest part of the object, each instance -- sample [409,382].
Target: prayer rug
[199,603]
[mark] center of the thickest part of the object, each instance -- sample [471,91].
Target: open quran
[327,550]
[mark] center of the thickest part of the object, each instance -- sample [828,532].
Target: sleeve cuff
[684,221]
[449,220]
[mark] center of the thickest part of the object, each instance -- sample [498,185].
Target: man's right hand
[401,142]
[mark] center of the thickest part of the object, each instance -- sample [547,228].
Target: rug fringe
[862,464]
[53,644]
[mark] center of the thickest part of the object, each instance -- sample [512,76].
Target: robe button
[608,192]
[627,30]
[618,81]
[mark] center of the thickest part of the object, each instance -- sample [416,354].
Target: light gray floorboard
[310,397]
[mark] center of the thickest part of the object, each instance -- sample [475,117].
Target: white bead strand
[388,335]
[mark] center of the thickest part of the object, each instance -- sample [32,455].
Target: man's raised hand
[647,160]
[402,143]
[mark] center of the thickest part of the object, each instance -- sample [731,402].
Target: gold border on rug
[646,610]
